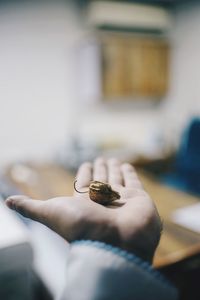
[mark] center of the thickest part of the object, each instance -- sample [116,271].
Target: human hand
[131,223]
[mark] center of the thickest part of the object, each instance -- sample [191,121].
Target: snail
[100,192]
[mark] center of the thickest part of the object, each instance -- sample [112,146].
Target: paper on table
[188,217]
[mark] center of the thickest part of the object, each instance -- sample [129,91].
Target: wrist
[105,229]
[139,248]
[138,241]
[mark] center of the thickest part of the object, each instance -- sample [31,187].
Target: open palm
[132,222]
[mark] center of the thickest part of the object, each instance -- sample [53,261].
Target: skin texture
[131,223]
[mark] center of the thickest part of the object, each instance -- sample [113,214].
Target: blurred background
[79,79]
[126,82]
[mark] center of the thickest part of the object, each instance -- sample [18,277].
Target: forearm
[97,271]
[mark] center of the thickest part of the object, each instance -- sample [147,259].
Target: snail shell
[102,193]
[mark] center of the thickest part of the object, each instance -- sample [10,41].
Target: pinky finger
[130,177]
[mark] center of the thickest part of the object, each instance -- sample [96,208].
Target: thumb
[30,208]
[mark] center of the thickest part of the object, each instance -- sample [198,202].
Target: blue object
[186,175]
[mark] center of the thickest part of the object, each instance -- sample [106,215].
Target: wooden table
[178,247]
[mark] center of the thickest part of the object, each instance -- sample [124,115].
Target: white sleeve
[97,271]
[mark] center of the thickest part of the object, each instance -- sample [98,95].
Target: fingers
[33,209]
[114,172]
[84,175]
[130,177]
[107,171]
[100,170]
[110,171]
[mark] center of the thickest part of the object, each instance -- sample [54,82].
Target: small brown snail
[100,192]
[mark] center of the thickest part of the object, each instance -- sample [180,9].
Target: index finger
[84,175]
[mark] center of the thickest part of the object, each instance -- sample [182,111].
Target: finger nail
[11,201]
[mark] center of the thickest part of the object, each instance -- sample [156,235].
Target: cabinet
[134,66]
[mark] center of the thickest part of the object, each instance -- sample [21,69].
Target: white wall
[183,101]
[38,90]
[36,78]
[141,129]
[148,129]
